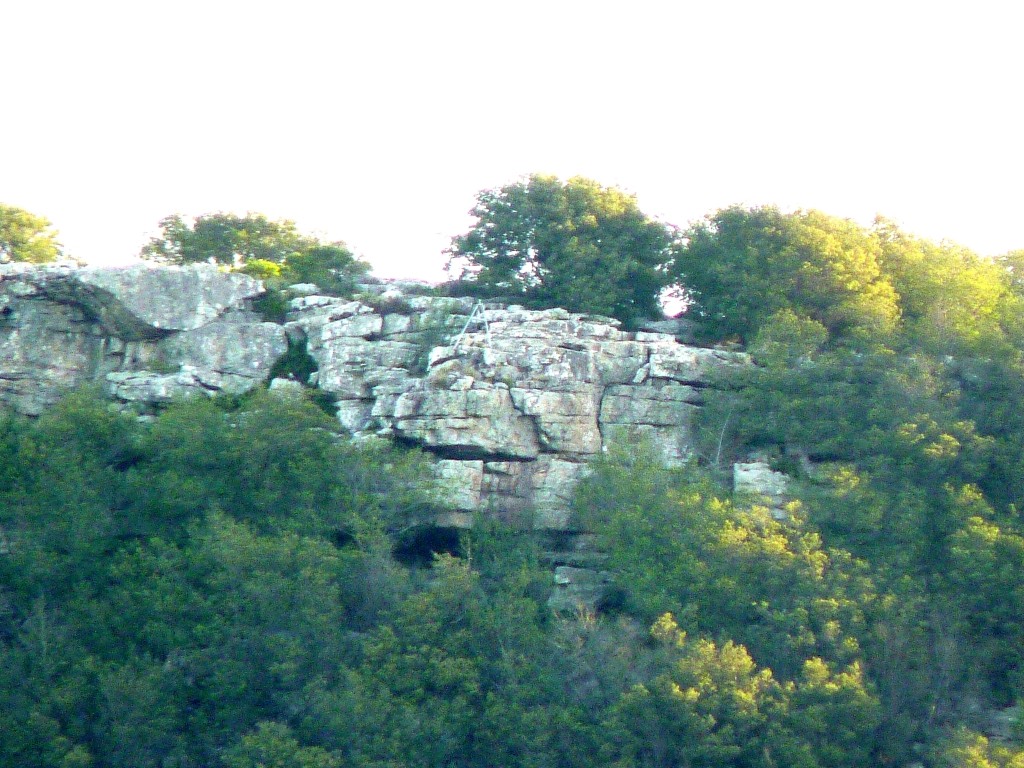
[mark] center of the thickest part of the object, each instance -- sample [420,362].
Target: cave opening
[416,549]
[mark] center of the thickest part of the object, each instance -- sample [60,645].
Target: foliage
[578,245]
[678,546]
[787,340]
[270,250]
[331,266]
[296,363]
[951,300]
[713,706]
[226,239]
[26,237]
[219,586]
[967,749]
[742,266]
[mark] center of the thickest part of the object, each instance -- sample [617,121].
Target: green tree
[710,704]
[224,238]
[26,237]
[272,745]
[786,339]
[332,266]
[742,266]
[722,569]
[951,300]
[576,245]
[1012,264]
[987,563]
[271,250]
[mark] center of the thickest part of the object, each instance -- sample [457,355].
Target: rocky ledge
[511,403]
[147,334]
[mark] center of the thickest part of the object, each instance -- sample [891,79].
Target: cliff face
[146,334]
[513,406]
[512,403]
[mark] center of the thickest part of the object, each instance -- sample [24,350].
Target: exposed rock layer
[512,402]
[145,334]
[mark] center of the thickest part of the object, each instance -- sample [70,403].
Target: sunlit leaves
[26,237]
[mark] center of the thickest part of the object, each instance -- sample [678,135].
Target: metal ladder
[478,314]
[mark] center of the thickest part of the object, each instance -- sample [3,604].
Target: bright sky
[378,122]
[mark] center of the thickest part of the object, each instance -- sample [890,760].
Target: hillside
[462,532]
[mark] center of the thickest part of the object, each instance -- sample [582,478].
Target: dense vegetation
[890,377]
[234,583]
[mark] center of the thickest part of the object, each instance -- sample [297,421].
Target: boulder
[531,394]
[759,479]
[469,423]
[173,298]
[577,589]
[231,354]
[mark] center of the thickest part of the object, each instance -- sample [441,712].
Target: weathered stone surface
[149,388]
[45,350]
[148,334]
[566,421]
[680,328]
[360,326]
[461,482]
[577,589]
[174,298]
[690,365]
[231,354]
[758,478]
[658,413]
[531,394]
[286,387]
[470,423]
[553,483]
[512,402]
[355,415]
[350,367]
[658,404]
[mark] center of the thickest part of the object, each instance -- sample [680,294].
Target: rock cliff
[147,334]
[511,403]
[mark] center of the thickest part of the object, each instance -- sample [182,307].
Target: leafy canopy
[742,266]
[224,238]
[255,244]
[576,245]
[26,237]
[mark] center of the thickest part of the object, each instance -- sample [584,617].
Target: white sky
[377,122]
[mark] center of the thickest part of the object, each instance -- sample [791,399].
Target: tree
[271,250]
[223,238]
[272,745]
[576,245]
[26,237]
[742,266]
[331,266]
[951,300]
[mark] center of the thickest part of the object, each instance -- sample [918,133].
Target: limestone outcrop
[145,334]
[513,402]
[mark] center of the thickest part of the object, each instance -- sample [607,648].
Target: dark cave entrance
[418,546]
